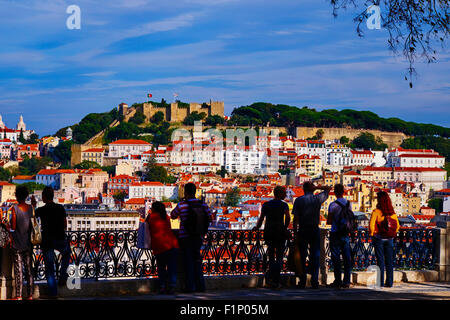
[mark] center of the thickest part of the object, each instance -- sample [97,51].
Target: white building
[245,159]
[432,178]
[102,221]
[124,147]
[5,148]
[362,157]
[418,160]
[413,158]
[155,190]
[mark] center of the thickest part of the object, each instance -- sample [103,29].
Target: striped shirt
[182,211]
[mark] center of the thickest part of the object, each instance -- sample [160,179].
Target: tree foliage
[366,140]
[194,116]
[232,198]
[416,27]
[214,120]
[92,124]
[439,144]
[5,175]
[62,152]
[290,116]
[138,118]
[157,173]
[85,164]
[34,165]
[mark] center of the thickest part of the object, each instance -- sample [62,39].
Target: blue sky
[240,51]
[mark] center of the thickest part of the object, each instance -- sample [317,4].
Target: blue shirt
[334,210]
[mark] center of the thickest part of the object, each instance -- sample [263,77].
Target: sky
[237,51]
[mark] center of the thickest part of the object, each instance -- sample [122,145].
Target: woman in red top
[164,246]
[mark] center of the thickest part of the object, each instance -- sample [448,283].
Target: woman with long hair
[383,228]
[164,245]
[20,228]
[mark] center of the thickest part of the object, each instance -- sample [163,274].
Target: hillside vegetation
[281,115]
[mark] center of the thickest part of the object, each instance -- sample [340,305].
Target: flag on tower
[175,95]
[149,95]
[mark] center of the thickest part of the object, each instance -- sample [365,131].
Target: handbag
[294,262]
[144,239]
[5,236]
[36,235]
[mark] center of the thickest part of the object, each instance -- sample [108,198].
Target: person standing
[54,224]
[339,240]
[276,214]
[164,245]
[20,228]
[306,213]
[190,244]
[383,228]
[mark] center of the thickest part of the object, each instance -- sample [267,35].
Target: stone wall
[392,139]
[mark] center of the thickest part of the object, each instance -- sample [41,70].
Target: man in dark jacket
[54,224]
[306,213]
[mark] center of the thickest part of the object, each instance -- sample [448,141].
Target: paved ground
[401,291]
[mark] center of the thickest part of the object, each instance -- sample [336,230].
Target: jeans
[22,261]
[275,250]
[310,237]
[192,260]
[166,264]
[49,258]
[384,251]
[340,244]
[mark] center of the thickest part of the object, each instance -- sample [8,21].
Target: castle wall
[217,108]
[392,139]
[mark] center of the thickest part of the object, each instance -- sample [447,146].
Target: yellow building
[411,204]
[7,191]
[331,178]
[312,165]
[93,154]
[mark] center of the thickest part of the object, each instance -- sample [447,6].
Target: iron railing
[113,254]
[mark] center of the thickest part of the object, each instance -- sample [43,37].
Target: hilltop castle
[174,112]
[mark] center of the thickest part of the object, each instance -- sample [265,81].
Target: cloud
[99,74]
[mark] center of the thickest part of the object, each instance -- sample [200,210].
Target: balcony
[109,264]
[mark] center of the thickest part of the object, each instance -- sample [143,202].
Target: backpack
[346,221]
[197,220]
[388,227]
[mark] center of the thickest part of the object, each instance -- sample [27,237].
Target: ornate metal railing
[414,249]
[113,254]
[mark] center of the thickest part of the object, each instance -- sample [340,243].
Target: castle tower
[21,125]
[2,125]
[123,109]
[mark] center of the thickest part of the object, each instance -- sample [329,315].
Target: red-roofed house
[215,197]
[377,174]
[124,147]
[153,190]
[23,179]
[134,203]
[432,178]
[349,177]
[421,160]
[121,183]
[309,164]
[362,157]
[411,157]
[5,149]
[93,154]
[27,150]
